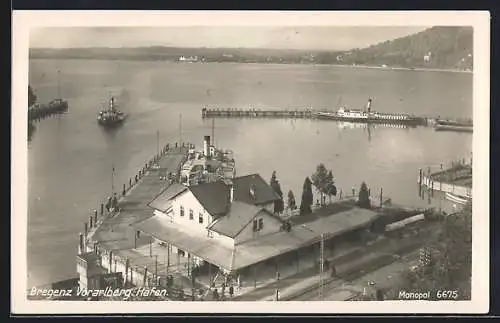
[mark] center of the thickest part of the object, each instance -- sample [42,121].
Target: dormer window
[182,211]
[261,224]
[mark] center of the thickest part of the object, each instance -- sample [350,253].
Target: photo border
[23,21]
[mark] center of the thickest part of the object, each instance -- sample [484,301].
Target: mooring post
[130,183]
[95,218]
[123,191]
[85,229]
[102,209]
[91,224]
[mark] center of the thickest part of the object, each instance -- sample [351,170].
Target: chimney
[369,105]
[206,146]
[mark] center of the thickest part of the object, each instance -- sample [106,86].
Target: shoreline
[387,68]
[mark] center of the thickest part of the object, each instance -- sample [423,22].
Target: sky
[303,38]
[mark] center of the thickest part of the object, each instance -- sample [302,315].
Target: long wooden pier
[307,113]
[258,113]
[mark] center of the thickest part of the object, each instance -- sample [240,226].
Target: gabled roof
[237,218]
[263,192]
[214,196]
[162,202]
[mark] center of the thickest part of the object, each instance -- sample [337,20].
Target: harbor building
[225,232]
[211,234]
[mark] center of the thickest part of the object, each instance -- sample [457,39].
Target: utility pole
[277,286]
[156,270]
[321,264]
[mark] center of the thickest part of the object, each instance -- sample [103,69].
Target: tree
[322,179]
[451,265]
[279,205]
[31,96]
[307,197]
[364,196]
[331,189]
[291,201]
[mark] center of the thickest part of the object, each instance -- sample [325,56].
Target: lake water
[70,157]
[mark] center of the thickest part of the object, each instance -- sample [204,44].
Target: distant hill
[436,47]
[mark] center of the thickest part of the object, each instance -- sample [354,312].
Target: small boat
[457,198]
[449,125]
[111,116]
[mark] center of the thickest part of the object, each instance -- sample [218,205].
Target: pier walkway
[455,180]
[303,113]
[110,234]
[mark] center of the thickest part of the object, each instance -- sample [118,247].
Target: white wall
[270,225]
[189,202]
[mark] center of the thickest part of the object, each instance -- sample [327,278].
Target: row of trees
[322,180]
[324,183]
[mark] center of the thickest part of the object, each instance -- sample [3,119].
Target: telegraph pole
[321,264]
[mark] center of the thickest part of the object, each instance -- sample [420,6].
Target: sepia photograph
[287,161]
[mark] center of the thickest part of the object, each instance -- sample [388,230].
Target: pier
[258,113]
[108,243]
[309,113]
[40,111]
[456,180]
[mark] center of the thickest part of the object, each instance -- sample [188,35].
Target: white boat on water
[457,198]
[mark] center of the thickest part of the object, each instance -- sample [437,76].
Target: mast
[213,131]
[113,180]
[58,85]
[180,129]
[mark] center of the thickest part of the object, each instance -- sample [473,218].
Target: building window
[138,234]
[200,218]
[258,225]
[191,216]
[210,234]
[182,211]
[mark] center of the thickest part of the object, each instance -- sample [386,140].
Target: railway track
[383,257]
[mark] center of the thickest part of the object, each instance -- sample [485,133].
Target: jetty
[258,113]
[40,111]
[310,113]
[456,181]
[109,244]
